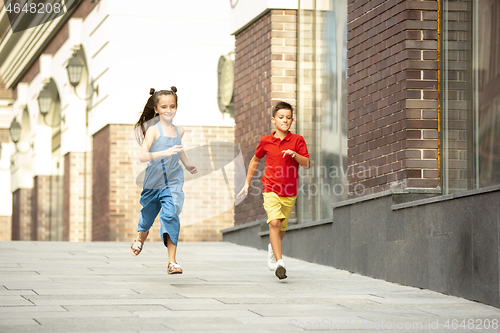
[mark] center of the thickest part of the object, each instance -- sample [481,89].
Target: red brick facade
[265,71]
[100,185]
[41,208]
[21,214]
[392,95]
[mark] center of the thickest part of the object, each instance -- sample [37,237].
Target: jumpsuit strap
[162,160]
[159,127]
[177,131]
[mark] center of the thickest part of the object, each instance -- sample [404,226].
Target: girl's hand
[243,192]
[173,150]
[288,152]
[191,168]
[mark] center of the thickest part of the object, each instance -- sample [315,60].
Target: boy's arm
[302,160]
[254,163]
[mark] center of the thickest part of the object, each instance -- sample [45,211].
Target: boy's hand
[288,152]
[191,168]
[243,192]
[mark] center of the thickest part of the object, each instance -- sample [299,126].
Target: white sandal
[174,268]
[137,245]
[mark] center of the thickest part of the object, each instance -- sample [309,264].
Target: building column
[5,190]
[21,214]
[41,208]
[392,95]
[100,185]
[74,197]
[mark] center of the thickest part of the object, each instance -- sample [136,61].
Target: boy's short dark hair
[281,105]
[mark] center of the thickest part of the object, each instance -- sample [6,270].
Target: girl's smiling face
[166,107]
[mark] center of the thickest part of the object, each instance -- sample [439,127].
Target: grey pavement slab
[101,287]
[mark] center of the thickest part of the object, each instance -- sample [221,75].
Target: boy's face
[282,120]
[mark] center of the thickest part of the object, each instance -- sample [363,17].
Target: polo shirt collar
[286,138]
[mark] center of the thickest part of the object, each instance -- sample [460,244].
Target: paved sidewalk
[101,287]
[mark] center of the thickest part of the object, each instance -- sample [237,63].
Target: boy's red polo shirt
[282,173]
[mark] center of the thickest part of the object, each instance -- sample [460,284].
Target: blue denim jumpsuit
[162,190]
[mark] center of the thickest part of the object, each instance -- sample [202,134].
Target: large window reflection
[470,128]
[487,90]
[322,105]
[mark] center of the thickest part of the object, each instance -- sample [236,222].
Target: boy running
[284,153]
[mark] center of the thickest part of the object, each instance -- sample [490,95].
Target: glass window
[470,115]
[322,106]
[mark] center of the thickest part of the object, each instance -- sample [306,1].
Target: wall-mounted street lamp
[45,104]
[15,135]
[15,131]
[75,69]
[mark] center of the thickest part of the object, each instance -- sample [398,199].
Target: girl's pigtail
[147,114]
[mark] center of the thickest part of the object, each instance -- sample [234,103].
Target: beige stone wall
[208,207]
[5,228]
[74,197]
[5,220]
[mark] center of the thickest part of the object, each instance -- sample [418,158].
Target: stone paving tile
[100,287]
[14,301]
[200,314]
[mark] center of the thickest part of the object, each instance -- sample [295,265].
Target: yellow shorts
[278,208]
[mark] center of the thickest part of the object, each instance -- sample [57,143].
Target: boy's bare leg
[275,237]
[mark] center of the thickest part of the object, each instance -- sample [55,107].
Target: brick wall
[21,214]
[392,94]
[116,194]
[124,194]
[265,72]
[208,207]
[41,208]
[5,228]
[4,93]
[100,185]
[74,197]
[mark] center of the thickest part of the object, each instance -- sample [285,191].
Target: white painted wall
[156,44]
[245,11]
[5,194]
[129,47]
